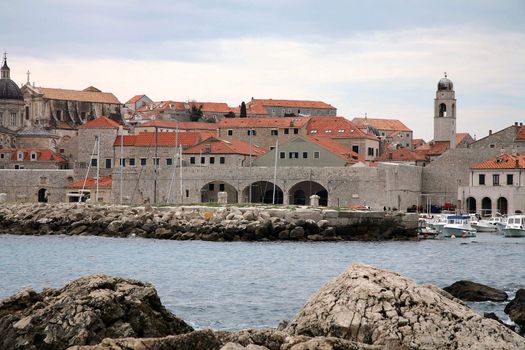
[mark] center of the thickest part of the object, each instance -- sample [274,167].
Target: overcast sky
[383,58]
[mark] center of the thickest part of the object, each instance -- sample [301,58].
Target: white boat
[502,223]
[425,231]
[515,226]
[438,223]
[458,226]
[484,225]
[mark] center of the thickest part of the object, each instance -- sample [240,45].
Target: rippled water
[239,285]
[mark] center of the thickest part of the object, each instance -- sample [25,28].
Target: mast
[175,162]
[156,164]
[87,172]
[251,177]
[121,129]
[180,170]
[275,169]
[98,167]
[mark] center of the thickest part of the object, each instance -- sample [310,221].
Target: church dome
[445,84]
[9,90]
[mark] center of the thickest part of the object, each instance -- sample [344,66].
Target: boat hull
[458,232]
[514,232]
[484,228]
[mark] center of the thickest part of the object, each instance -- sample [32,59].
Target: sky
[379,57]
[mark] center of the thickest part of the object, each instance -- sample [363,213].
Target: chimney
[515,123]
[490,132]
[207,148]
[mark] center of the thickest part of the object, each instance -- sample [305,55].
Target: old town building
[283,108]
[11,102]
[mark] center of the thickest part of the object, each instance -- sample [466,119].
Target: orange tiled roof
[101,123]
[163,139]
[91,182]
[292,103]
[171,124]
[252,109]
[335,127]
[134,99]
[460,136]
[336,148]
[520,136]
[402,154]
[42,154]
[76,95]
[418,142]
[382,124]
[216,145]
[503,161]
[263,122]
[434,148]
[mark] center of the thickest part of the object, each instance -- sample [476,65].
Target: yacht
[458,226]
[486,225]
[515,226]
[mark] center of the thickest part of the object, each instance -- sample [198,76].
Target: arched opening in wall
[42,195]
[300,193]
[210,192]
[262,192]
[442,110]
[502,205]
[471,204]
[486,206]
[453,110]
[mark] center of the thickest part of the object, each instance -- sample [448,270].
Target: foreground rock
[84,311]
[472,291]
[204,223]
[372,306]
[516,309]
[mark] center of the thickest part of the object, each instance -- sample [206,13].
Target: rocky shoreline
[364,308]
[206,223]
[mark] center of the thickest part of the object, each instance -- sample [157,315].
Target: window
[2,156]
[33,156]
[274,132]
[305,155]
[230,132]
[83,115]
[108,163]
[156,161]
[316,155]
[222,160]
[187,193]
[251,132]
[272,148]
[313,132]
[492,145]
[203,160]
[212,160]
[13,118]
[94,162]
[355,148]
[495,180]
[59,115]
[143,161]
[211,187]
[122,162]
[132,162]
[510,179]
[329,131]
[481,179]
[296,131]
[27,112]
[341,130]
[169,161]
[293,155]
[192,160]
[221,187]
[19,167]
[370,151]
[286,131]
[282,155]
[408,135]
[61,151]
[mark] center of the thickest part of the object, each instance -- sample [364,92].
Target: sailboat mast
[156,164]
[121,129]
[275,169]
[98,167]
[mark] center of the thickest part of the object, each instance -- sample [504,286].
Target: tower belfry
[5,68]
[445,112]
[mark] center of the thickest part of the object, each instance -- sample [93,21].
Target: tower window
[442,110]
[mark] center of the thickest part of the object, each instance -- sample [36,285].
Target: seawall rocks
[205,223]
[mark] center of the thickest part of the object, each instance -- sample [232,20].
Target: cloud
[384,73]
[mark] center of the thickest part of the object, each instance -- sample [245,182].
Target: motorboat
[515,226]
[485,225]
[439,222]
[425,231]
[458,226]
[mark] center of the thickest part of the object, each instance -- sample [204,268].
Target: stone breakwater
[206,223]
[364,308]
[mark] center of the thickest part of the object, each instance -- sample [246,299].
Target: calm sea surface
[240,285]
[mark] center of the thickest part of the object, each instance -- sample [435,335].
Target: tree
[195,113]
[230,114]
[243,110]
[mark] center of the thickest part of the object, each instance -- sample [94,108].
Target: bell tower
[5,71]
[445,112]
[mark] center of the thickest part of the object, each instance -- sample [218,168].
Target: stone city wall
[24,185]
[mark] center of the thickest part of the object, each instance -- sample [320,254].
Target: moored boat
[458,226]
[515,226]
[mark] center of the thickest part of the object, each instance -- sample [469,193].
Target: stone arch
[305,189]
[502,205]
[486,206]
[42,195]
[209,192]
[442,110]
[471,204]
[262,192]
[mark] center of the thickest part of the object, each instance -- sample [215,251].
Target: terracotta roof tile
[91,182]
[402,154]
[76,95]
[171,124]
[42,154]
[252,109]
[382,124]
[434,148]
[207,107]
[503,161]
[292,103]
[134,99]
[263,122]
[215,145]
[101,123]
[335,127]
[163,139]
[460,136]
[336,148]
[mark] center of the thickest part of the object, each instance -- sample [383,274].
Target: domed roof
[445,84]
[9,90]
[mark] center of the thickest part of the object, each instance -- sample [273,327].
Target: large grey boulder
[472,291]
[84,311]
[516,309]
[373,306]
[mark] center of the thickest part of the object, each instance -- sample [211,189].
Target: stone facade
[36,185]
[87,147]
